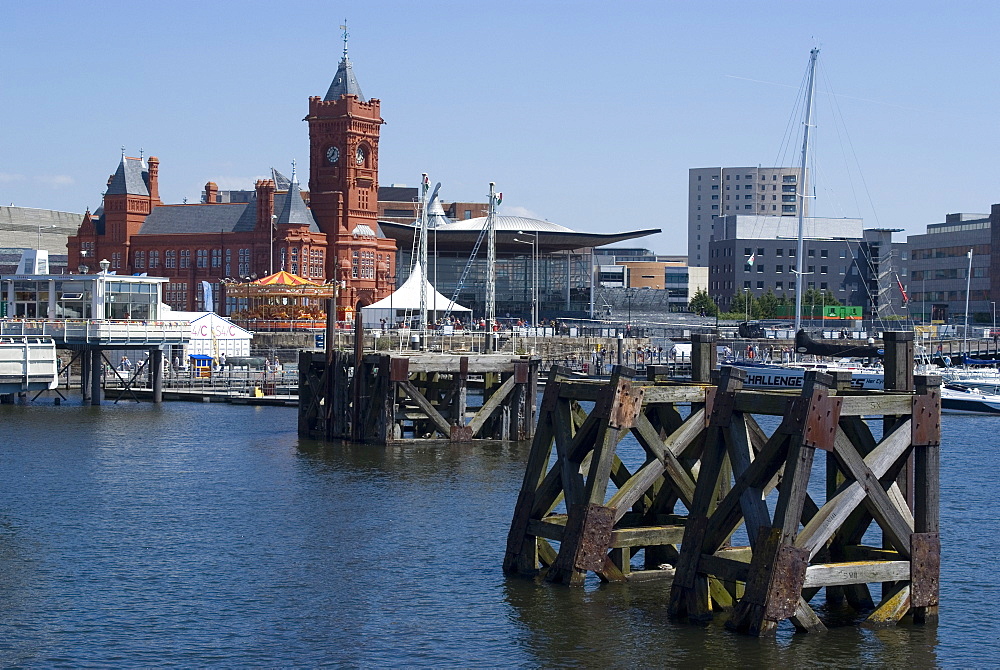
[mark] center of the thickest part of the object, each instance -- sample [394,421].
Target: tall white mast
[422,251]
[491,261]
[803,189]
[968,288]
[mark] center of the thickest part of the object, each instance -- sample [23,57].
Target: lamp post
[534,275]
[38,241]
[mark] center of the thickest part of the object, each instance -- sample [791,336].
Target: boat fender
[947,361]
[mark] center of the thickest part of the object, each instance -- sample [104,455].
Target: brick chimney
[211,193]
[265,202]
[154,180]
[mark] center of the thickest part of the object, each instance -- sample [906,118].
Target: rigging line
[783,148]
[861,174]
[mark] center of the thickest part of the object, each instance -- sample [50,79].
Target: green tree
[767,306]
[743,303]
[702,302]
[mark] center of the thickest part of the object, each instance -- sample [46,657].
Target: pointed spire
[344,82]
[293,210]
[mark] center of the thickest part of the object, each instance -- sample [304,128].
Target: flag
[752,258]
[207,292]
[499,198]
[427,183]
[902,290]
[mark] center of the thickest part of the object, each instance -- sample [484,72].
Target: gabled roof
[221,217]
[131,178]
[344,82]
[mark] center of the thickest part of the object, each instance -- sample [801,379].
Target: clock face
[333,154]
[359,156]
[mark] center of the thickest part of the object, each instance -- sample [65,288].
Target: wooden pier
[390,398]
[709,468]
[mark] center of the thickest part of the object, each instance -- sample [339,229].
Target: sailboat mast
[422,250]
[968,287]
[491,261]
[803,188]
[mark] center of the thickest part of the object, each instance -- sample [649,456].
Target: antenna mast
[422,263]
[491,261]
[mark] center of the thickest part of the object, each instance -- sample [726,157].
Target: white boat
[790,376]
[959,399]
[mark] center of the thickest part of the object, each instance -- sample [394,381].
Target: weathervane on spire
[344,28]
[123,152]
[294,180]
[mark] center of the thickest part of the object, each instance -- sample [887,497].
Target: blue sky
[587,114]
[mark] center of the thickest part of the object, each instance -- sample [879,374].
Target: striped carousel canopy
[285,279]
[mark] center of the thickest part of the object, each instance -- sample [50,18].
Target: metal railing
[100,331]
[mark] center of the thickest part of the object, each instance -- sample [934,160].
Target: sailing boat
[791,376]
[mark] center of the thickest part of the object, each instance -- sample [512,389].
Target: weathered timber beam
[548,528]
[765,466]
[856,572]
[679,478]
[861,552]
[836,510]
[774,403]
[570,475]
[886,509]
[416,396]
[490,406]
[645,536]
[755,513]
[727,569]
[635,488]
[581,390]
[894,606]
[450,363]
[662,395]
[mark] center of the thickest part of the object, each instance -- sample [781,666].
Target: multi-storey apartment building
[722,191]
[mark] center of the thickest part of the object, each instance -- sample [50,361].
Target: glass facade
[564,280]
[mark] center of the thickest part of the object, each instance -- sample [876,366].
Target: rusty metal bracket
[925,426]
[461,433]
[821,422]
[787,578]
[399,369]
[593,524]
[520,371]
[925,569]
[628,405]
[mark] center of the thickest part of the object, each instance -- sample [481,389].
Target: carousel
[279,301]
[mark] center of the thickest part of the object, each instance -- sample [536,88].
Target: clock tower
[343,190]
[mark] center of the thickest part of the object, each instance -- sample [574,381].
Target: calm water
[194,535]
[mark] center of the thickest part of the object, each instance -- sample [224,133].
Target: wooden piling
[717,462]
[384,398]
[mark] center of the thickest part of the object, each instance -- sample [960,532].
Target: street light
[38,242]
[534,275]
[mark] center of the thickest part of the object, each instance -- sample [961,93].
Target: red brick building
[335,238]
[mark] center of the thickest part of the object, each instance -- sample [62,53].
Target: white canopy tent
[404,303]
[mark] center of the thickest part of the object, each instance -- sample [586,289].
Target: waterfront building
[335,239]
[726,191]
[858,266]
[939,264]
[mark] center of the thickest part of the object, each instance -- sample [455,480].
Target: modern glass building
[564,258]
